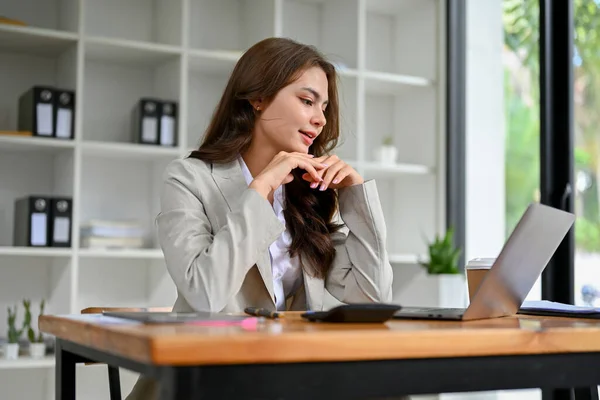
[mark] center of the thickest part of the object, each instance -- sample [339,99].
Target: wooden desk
[295,359]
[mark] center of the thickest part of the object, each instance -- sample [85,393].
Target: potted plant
[443,256]
[11,349]
[37,346]
[387,152]
[445,281]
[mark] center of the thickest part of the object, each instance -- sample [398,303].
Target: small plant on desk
[37,347]
[11,349]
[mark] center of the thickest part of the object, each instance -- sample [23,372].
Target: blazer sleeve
[208,268]
[361,271]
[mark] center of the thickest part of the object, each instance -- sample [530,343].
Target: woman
[252,218]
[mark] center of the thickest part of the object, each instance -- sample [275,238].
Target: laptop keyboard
[420,310]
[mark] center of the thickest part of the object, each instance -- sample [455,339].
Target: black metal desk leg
[178,383]
[114,383]
[587,393]
[583,393]
[64,373]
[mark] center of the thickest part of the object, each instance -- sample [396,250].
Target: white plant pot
[11,351]
[37,350]
[386,155]
[413,286]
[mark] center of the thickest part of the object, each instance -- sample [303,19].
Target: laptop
[520,263]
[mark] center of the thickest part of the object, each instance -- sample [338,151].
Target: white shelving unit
[390,57]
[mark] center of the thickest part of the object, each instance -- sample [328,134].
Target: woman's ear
[257,104]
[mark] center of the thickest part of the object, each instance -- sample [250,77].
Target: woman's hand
[336,175]
[278,171]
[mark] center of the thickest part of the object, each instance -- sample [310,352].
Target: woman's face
[295,116]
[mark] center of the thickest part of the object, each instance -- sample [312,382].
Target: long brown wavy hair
[260,73]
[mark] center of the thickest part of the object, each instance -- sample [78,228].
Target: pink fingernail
[336,181]
[313,185]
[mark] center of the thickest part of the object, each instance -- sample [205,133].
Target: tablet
[354,313]
[149,317]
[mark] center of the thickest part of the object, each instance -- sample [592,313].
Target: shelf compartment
[213,62]
[23,70]
[404,258]
[156,21]
[207,80]
[44,174]
[36,144]
[56,15]
[35,41]
[125,283]
[127,52]
[332,26]
[113,88]
[412,201]
[139,254]
[26,362]
[130,193]
[34,251]
[407,118]
[348,140]
[392,84]
[129,151]
[231,25]
[401,37]
[375,170]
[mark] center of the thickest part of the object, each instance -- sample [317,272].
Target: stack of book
[107,234]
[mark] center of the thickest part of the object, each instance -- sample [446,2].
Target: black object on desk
[362,312]
[262,312]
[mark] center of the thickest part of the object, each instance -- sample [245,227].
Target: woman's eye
[307,102]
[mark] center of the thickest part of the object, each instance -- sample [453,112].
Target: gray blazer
[215,234]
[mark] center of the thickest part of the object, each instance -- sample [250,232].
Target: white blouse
[287,274]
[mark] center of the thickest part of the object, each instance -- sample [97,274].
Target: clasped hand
[322,172]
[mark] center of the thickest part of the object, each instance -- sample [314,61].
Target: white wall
[485,130]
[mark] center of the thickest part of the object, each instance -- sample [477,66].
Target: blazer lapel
[231,182]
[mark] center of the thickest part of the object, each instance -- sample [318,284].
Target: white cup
[476,269]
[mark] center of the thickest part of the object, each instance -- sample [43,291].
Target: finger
[288,179]
[330,173]
[306,155]
[332,159]
[341,175]
[308,167]
[307,177]
[316,164]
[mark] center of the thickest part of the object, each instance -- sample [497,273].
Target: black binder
[64,114]
[168,123]
[31,220]
[60,221]
[36,111]
[145,116]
